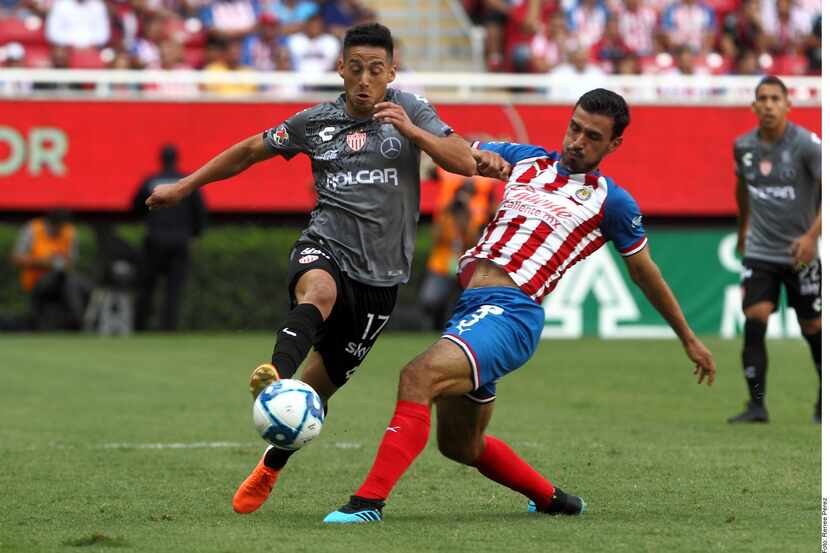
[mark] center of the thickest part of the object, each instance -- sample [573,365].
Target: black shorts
[762,280]
[357,318]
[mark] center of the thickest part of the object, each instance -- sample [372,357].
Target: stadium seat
[37,56]
[194,56]
[27,32]
[86,58]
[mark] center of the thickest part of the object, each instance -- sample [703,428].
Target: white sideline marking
[173,445]
[191,445]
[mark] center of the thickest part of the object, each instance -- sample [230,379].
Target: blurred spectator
[493,15]
[813,48]
[172,58]
[611,47]
[690,23]
[587,21]
[169,233]
[526,20]
[685,63]
[454,230]
[13,55]
[293,14]
[78,23]
[747,64]
[550,48]
[638,25]
[339,15]
[571,80]
[788,28]
[124,23]
[230,19]
[260,50]
[229,60]
[46,252]
[313,50]
[145,51]
[744,29]
[629,64]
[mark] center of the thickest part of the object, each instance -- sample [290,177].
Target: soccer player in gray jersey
[344,270]
[778,166]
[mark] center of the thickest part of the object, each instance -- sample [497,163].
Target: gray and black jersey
[784,194]
[367,177]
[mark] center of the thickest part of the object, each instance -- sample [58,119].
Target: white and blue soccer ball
[288,414]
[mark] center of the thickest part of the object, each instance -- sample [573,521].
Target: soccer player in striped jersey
[556,211]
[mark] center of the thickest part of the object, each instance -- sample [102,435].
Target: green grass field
[139,444]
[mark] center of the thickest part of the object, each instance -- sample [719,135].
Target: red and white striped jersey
[551,219]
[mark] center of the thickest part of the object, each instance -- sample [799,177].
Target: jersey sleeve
[422,113]
[812,156]
[288,138]
[512,152]
[622,223]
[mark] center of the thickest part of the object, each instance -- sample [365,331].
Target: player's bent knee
[460,451]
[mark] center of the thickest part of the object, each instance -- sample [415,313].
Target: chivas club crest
[765,167]
[584,194]
[356,140]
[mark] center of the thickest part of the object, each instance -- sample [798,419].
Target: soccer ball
[288,414]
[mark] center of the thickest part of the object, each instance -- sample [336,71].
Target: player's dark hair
[773,80]
[605,102]
[369,34]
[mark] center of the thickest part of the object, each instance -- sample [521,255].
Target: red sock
[499,463]
[406,436]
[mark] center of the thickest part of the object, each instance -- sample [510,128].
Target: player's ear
[393,72]
[341,66]
[615,143]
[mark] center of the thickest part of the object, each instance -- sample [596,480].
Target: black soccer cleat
[753,413]
[817,412]
[561,504]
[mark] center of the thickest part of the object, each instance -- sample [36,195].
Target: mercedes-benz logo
[390,148]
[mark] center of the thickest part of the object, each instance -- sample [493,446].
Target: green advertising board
[597,298]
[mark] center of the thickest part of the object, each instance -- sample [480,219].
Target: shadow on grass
[99,539]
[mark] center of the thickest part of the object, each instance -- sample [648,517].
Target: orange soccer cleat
[253,492]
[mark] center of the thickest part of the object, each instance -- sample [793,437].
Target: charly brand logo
[308,259]
[390,148]
[467,324]
[356,140]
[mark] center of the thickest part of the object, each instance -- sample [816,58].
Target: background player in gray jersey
[778,166]
[365,150]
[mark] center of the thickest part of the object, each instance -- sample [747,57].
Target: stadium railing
[444,87]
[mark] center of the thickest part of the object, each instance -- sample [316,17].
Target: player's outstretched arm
[231,162]
[449,152]
[645,273]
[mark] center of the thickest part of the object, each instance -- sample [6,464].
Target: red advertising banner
[91,155]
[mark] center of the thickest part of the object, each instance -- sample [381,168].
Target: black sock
[754,357]
[276,458]
[295,338]
[814,341]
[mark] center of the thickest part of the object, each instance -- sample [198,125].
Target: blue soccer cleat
[357,511]
[562,504]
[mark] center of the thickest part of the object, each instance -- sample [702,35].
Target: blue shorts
[498,329]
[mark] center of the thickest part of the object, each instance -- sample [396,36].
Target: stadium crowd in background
[593,37]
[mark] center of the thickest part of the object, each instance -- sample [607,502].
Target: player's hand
[165,195]
[394,114]
[491,164]
[703,360]
[803,250]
